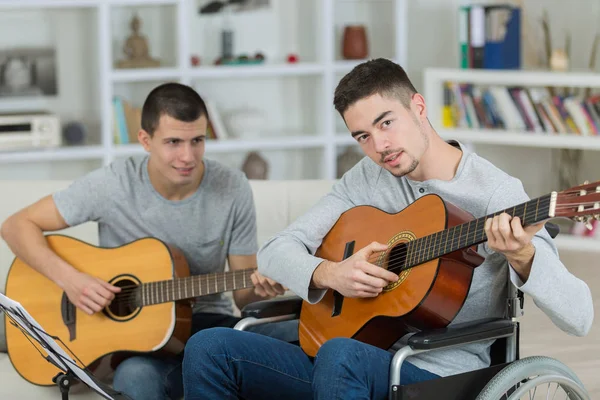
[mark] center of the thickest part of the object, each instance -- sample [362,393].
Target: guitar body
[426,296]
[161,327]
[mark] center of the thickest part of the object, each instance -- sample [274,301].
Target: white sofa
[277,204]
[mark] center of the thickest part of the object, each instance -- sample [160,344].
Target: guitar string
[400,261]
[426,249]
[161,289]
[391,262]
[437,246]
[193,280]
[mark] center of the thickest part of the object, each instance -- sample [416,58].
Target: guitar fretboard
[466,235]
[192,286]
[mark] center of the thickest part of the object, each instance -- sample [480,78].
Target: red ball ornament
[292,58]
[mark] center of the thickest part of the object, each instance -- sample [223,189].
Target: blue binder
[505,53]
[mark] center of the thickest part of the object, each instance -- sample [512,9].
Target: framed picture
[28,72]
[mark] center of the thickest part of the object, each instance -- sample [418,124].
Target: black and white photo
[28,72]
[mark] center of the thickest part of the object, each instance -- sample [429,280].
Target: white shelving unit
[434,80]
[325,68]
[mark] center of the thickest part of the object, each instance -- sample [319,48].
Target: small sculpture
[136,49]
[559,60]
[347,160]
[255,167]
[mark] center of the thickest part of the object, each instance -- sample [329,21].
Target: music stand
[70,371]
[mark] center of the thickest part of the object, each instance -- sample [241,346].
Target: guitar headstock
[580,203]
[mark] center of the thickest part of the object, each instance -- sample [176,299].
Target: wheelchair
[508,377]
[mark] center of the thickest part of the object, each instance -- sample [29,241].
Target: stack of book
[527,109]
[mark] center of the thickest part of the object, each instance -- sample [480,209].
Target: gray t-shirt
[217,220]
[478,188]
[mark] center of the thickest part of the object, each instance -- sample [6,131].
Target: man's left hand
[507,235]
[265,287]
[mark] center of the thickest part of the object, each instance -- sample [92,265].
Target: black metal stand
[66,378]
[64,382]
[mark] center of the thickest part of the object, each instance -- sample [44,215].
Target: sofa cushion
[304,194]
[270,202]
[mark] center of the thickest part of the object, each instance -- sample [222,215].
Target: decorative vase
[354,44]
[255,167]
[347,160]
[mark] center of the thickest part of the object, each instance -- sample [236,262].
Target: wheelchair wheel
[529,377]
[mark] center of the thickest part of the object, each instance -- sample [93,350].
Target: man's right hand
[89,293]
[355,276]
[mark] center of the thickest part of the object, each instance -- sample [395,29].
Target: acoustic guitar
[432,248]
[152,313]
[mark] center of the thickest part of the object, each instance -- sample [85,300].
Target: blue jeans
[223,363]
[151,377]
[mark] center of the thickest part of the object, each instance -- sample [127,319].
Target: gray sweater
[479,188]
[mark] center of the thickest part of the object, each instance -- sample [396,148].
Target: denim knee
[208,340]
[142,378]
[205,343]
[338,352]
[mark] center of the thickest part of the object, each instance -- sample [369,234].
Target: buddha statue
[136,49]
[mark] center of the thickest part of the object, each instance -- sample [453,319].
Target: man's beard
[413,166]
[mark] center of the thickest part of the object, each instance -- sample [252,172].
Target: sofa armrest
[474,331]
[273,308]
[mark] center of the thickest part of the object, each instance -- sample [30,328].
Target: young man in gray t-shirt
[201,207]
[406,160]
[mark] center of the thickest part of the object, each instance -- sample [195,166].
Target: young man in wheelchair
[406,159]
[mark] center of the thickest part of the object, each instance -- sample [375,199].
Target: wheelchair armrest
[273,307]
[553,229]
[467,332]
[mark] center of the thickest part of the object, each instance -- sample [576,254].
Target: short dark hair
[175,100]
[378,76]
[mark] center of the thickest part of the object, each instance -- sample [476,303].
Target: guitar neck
[471,233]
[193,286]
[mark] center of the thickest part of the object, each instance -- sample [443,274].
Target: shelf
[225,146]
[575,243]
[345,139]
[142,2]
[514,77]
[346,65]
[145,74]
[49,4]
[257,70]
[80,3]
[58,154]
[225,71]
[528,139]
[306,82]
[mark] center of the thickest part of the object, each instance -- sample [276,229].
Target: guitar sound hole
[126,303]
[397,258]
